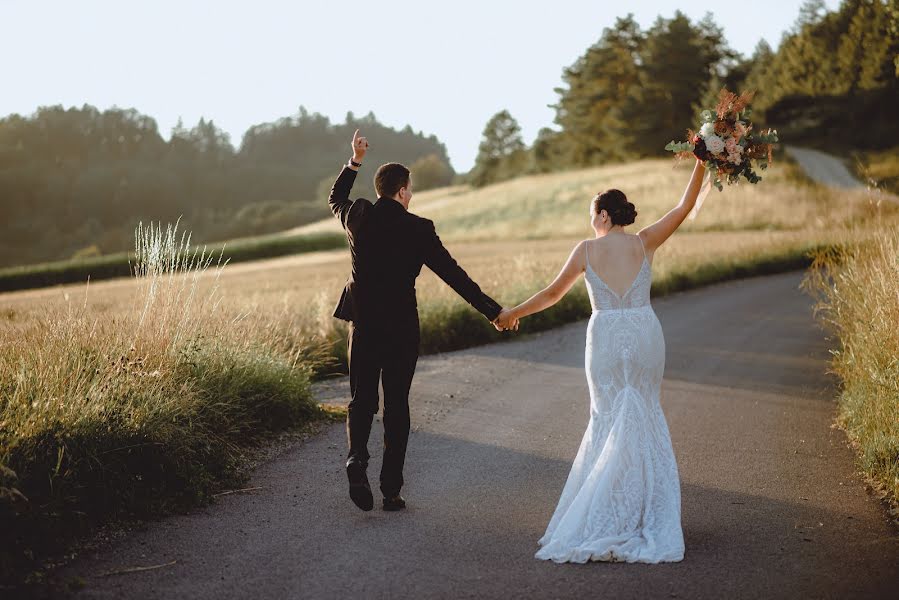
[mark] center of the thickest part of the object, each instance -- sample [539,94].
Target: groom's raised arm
[440,261]
[339,199]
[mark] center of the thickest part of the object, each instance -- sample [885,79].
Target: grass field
[120,265]
[533,220]
[556,205]
[102,384]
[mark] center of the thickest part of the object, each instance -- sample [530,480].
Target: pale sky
[444,68]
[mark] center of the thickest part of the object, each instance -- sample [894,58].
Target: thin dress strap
[642,245]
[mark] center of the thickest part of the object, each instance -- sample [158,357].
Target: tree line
[75,182]
[833,81]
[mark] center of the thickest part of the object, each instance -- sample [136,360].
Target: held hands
[506,321]
[360,147]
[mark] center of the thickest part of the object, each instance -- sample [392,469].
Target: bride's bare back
[616,258]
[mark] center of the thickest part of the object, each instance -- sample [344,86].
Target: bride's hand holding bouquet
[726,144]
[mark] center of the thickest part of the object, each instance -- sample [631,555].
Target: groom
[388,246]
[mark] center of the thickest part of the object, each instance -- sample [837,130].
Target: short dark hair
[390,178]
[615,203]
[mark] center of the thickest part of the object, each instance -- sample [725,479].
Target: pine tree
[549,152]
[864,53]
[810,14]
[760,67]
[678,62]
[599,83]
[500,151]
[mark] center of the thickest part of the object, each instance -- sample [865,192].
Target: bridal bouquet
[726,144]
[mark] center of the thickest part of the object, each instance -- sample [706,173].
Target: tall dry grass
[140,411]
[857,286]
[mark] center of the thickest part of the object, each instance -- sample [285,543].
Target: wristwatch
[355,164]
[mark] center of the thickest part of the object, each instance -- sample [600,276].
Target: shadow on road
[475,513]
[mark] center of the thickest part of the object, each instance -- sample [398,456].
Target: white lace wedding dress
[622,498]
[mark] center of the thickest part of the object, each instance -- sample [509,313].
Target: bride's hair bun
[615,203]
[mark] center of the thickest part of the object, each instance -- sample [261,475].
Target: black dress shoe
[360,490]
[394,503]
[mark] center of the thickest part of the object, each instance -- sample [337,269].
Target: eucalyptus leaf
[673,146]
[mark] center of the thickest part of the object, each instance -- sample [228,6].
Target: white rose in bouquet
[706,130]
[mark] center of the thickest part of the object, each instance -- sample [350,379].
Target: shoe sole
[362,497]
[360,494]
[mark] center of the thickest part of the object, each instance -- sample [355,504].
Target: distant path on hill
[772,506]
[824,168]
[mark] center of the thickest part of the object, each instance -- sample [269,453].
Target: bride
[621,501]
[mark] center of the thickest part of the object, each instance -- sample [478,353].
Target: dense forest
[833,82]
[75,182]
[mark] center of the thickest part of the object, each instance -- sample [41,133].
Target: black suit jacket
[388,246]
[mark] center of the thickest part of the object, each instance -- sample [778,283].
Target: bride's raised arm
[554,292]
[654,235]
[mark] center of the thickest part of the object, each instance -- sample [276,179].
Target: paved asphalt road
[772,507]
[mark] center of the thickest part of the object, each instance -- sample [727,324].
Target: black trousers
[387,357]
